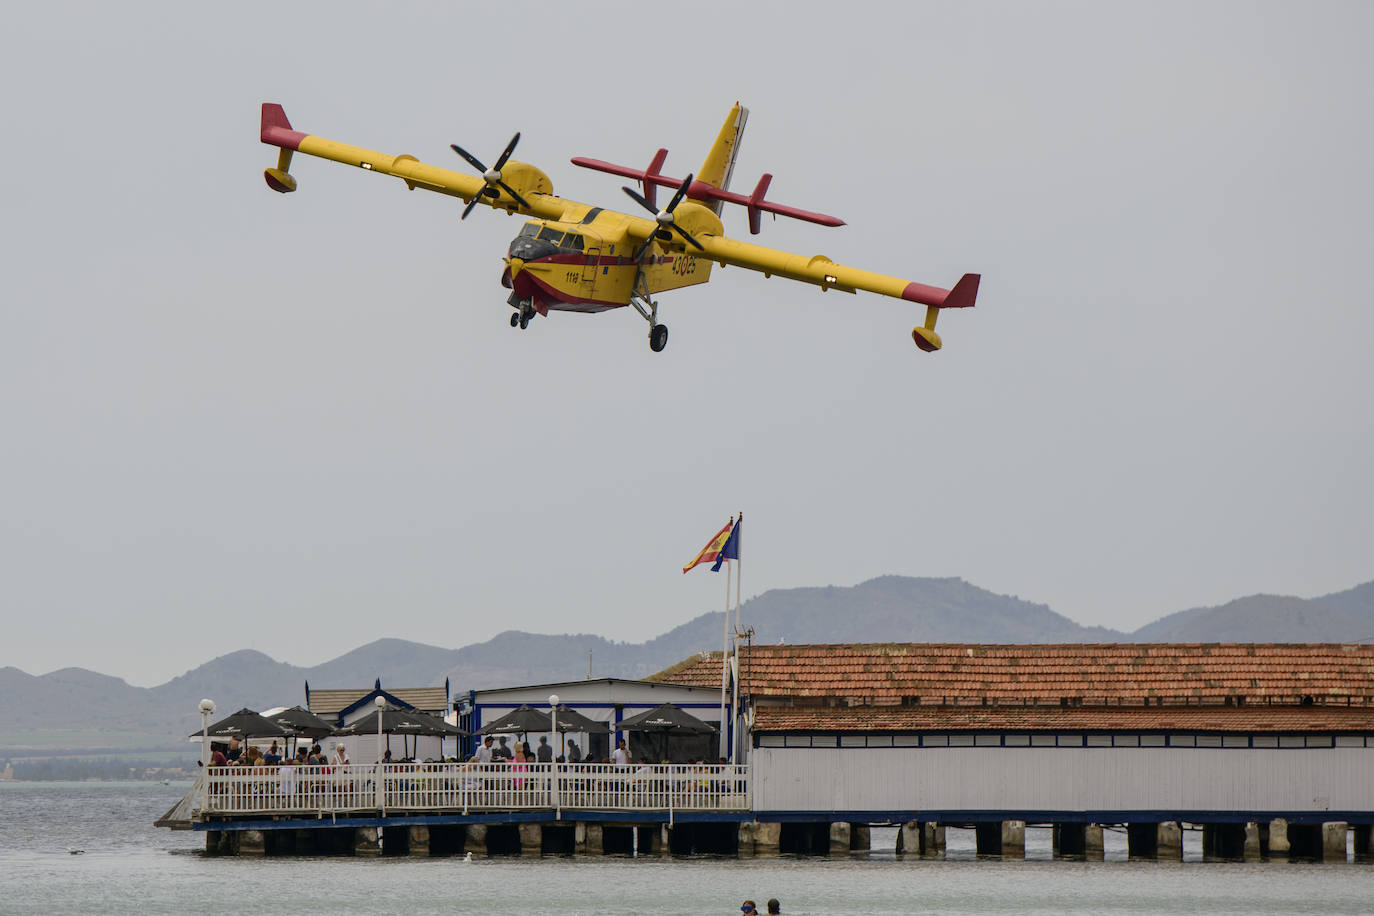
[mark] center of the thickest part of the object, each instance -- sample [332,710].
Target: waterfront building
[1267,743]
[608,699]
[342,707]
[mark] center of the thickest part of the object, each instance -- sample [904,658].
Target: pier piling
[366,842]
[839,839]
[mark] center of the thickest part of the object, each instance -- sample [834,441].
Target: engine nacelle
[697,220]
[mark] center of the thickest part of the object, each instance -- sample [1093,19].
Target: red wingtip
[276,128]
[962,296]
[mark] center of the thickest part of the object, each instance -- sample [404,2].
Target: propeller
[664,216]
[492,176]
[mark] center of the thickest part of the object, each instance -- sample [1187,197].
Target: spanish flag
[712,549]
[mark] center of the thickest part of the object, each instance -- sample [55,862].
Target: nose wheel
[658,337]
[524,311]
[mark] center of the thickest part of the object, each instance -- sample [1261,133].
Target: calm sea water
[128,866]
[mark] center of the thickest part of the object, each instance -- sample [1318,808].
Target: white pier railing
[467,787]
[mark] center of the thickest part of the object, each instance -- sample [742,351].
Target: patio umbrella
[303,723]
[525,719]
[401,722]
[245,724]
[665,718]
[669,733]
[570,720]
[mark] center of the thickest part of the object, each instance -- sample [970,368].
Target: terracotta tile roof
[426,699]
[1278,719]
[1092,674]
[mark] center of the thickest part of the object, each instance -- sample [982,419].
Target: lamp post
[553,723]
[207,709]
[381,705]
[381,777]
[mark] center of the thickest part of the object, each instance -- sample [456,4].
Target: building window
[1235,741]
[1264,741]
[1349,741]
[1070,740]
[1151,740]
[1042,740]
[961,741]
[1126,741]
[1182,741]
[987,740]
[1209,740]
[1099,741]
[1016,740]
[1318,740]
[772,741]
[936,741]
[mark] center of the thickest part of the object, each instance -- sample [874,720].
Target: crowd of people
[239,755]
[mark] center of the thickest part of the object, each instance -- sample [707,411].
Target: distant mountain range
[78,709]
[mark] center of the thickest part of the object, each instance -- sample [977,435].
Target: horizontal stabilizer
[701,191]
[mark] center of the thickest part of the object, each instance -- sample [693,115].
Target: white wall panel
[1086,779]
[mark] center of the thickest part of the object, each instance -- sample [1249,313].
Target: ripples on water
[129,866]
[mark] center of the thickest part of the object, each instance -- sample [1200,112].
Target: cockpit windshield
[567,241]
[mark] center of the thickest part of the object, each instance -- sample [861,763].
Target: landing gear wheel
[658,337]
[515,319]
[524,321]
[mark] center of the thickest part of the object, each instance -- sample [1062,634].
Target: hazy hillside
[1342,617]
[74,708]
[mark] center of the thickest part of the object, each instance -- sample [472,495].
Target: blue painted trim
[967,816]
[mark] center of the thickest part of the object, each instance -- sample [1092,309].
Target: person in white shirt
[484,752]
[621,754]
[340,756]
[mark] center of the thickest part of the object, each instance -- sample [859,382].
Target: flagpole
[739,575]
[725,662]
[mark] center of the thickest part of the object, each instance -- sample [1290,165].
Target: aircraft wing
[825,273]
[531,184]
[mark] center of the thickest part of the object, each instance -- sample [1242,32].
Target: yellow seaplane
[573,257]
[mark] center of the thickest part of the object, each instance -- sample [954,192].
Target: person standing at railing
[544,753]
[621,756]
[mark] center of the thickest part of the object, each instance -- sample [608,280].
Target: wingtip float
[574,257]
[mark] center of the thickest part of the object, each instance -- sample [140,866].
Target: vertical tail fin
[720,161]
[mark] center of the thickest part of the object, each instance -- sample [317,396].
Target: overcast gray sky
[299,423]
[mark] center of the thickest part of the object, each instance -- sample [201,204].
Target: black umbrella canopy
[665,718]
[245,724]
[401,722]
[302,723]
[570,720]
[524,719]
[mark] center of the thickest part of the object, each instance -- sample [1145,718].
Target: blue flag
[730,549]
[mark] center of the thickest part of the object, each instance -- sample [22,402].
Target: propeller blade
[510,148]
[472,203]
[678,195]
[686,235]
[511,191]
[639,198]
[471,159]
